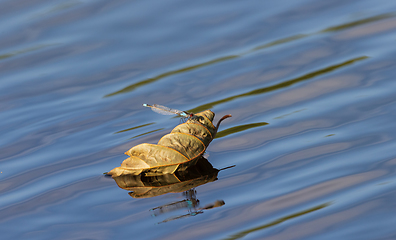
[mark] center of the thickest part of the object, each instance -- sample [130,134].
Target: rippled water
[310,85]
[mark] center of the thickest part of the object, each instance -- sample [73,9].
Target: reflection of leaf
[142,186]
[239,129]
[150,186]
[175,151]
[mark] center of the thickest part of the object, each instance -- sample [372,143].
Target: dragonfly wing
[165,110]
[161,111]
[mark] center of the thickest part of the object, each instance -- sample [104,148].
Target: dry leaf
[177,150]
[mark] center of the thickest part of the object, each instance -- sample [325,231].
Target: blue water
[310,86]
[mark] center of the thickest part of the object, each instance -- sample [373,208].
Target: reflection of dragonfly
[190,213]
[168,111]
[186,203]
[191,203]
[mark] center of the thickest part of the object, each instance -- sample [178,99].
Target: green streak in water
[239,129]
[156,130]
[133,128]
[288,114]
[280,85]
[253,50]
[170,73]
[20,52]
[358,23]
[278,221]
[278,42]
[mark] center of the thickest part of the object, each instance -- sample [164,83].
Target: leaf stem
[224,117]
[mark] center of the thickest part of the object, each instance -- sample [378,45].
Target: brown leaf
[177,150]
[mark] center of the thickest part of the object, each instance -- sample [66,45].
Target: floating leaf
[175,151]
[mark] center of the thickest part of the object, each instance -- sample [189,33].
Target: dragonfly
[168,111]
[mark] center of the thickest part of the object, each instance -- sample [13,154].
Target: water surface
[310,85]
